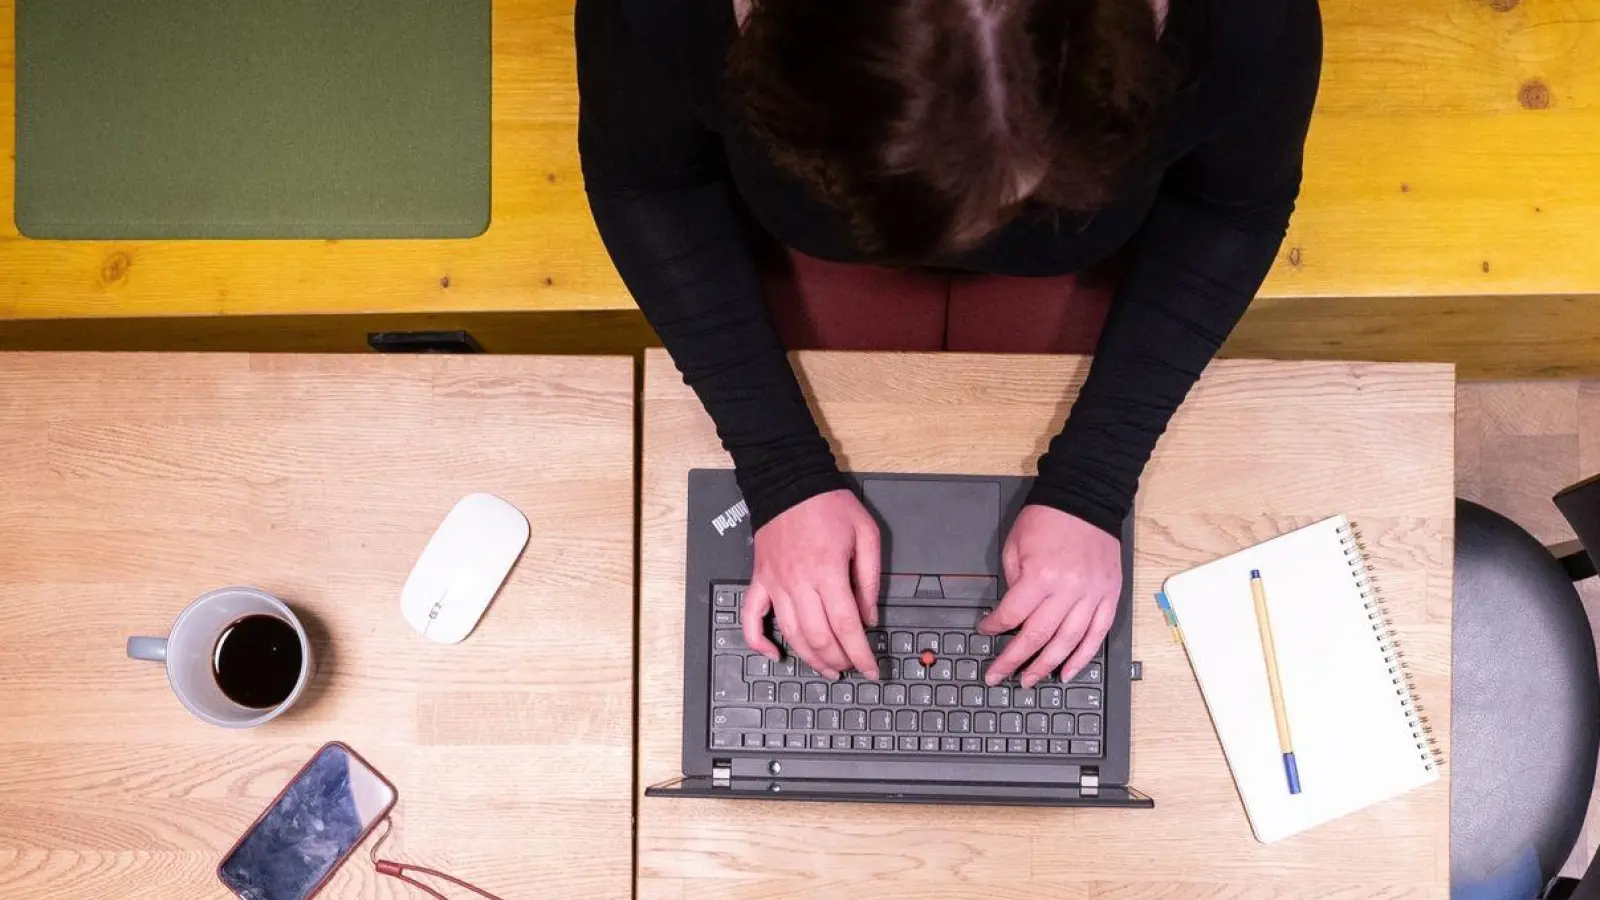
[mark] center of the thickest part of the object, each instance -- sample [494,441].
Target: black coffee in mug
[257,661]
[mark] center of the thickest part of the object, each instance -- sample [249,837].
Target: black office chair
[1525,706]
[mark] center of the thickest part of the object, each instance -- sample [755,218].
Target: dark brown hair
[929,123]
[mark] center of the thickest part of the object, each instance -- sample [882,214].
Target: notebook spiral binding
[1393,655]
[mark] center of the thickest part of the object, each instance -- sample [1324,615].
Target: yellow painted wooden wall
[1455,155]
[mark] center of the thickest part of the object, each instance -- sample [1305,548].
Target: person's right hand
[804,561]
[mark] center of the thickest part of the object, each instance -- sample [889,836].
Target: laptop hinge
[1089,782]
[721,772]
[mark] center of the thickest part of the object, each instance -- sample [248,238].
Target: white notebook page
[1354,742]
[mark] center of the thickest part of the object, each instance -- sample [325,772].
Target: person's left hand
[1065,579]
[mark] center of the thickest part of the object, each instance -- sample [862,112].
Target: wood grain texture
[1258,449]
[134,483]
[1450,155]
[1517,444]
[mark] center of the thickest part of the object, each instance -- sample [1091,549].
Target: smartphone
[325,812]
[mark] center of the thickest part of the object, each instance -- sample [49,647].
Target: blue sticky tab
[1293,771]
[1255,573]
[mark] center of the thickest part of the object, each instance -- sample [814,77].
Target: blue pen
[1264,624]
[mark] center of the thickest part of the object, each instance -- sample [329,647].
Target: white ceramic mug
[188,649]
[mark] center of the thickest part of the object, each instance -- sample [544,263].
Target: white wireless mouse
[463,567]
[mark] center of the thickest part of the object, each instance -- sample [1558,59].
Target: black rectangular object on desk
[925,733]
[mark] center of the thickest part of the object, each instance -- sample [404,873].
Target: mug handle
[153,649]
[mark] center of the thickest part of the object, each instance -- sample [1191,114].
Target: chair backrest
[1581,506]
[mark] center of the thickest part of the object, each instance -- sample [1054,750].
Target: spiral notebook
[1357,735]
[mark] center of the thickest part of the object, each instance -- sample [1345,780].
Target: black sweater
[673,178]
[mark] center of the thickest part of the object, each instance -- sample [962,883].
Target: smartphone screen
[329,808]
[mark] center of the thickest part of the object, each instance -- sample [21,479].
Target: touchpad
[937,527]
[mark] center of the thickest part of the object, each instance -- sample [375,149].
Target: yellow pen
[1258,590]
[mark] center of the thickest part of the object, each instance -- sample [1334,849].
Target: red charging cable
[398,871]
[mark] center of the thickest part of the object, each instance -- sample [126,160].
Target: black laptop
[930,731]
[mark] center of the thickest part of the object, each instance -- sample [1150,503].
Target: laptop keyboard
[931,698]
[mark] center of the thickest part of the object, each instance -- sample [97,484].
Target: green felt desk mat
[252,118]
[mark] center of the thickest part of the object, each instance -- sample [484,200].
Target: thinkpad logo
[727,521]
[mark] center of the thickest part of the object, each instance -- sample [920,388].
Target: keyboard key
[980,644]
[880,720]
[1085,748]
[927,640]
[777,719]
[724,739]
[802,719]
[1011,723]
[972,696]
[1083,698]
[855,720]
[1051,698]
[821,742]
[795,742]
[933,720]
[1058,747]
[1063,723]
[763,692]
[972,745]
[724,617]
[994,745]
[789,692]
[920,695]
[960,722]
[774,742]
[1093,673]
[889,668]
[953,644]
[785,668]
[727,639]
[727,680]
[752,740]
[894,695]
[1025,698]
[906,720]
[942,670]
[736,717]
[1000,643]
[930,745]
[949,745]
[984,723]
[1037,723]
[999,697]
[1038,745]
[879,642]
[1089,725]
[807,672]
[842,694]
[902,643]
[828,720]
[1016,745]
[908,742]
[883,742]
[946,695]
[726,598]
[863,741]
[816,692]
[913,670]
[967,670]
[869,694]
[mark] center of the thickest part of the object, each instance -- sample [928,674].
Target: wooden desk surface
[131,484]
[1451,155]
[1258,449]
